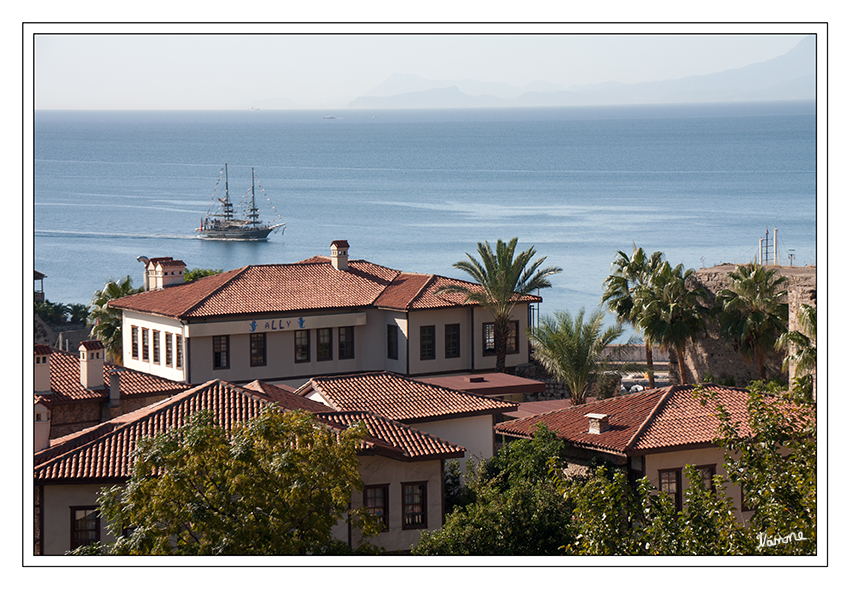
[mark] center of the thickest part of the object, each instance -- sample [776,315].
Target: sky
[317,67]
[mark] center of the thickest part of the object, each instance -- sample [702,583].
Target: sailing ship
[227,225]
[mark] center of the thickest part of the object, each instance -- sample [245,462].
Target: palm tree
[504,280]
[801,346]
[106,322]
[672,315]
[753,312]
[571,349]
[627,275]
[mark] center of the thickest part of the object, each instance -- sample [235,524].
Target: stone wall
[711,355]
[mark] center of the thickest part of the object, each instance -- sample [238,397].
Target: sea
[417,190]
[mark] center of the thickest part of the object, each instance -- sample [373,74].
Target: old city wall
[715,357]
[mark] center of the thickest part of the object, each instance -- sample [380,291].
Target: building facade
[285,323]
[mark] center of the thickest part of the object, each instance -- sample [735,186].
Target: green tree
[515,508]
[277,484]
[196,273]
[627,275]
[54,313]
[752,311]
[571,350]
[774,460]
[672,314]
[105,321]
[503,279]
[802,350]
[78,313]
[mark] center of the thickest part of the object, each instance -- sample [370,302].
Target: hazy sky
[205,71]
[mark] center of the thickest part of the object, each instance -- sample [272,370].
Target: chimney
[91,364]
[146,262]
[41,376]
[597,423]
[115,386]
[169,272]
[339,254]
[41,426]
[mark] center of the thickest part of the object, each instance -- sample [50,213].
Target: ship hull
[255,234]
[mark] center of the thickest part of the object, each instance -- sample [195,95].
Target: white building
[326,315]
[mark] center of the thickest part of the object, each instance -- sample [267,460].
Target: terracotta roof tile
[41,350]
[397,397]
[285,397]
[91,345]
[105,450]
[312,284]
[650,420]
[66,388]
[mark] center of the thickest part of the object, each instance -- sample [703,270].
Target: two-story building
[327,315]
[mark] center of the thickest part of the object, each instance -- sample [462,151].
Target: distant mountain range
[787,77]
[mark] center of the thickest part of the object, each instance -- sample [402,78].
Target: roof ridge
[426,284]
[650,416]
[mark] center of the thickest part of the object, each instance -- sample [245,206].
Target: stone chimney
[41,426]
[339,254]
[91,364]
[41,376]
[597,423]
[115,386]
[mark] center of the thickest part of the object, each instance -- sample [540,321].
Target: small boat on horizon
[226,225]
[329,117]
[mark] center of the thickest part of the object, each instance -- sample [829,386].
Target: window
[392,342]
[376,501]
[414,503]
[511,345]
[346,343]
[427,349]
[145,338]
[178,345]
[302,346]
[706,474]
[670,482]
[85,526]
[221,352]
[134,337]
[169,349]
[453,340]
[156,347]
[258,349]
[324,347]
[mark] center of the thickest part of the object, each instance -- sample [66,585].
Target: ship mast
[228,206]
[253,214]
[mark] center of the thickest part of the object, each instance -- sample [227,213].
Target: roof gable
[400,398]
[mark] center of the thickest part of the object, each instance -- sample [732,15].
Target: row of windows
[85,521]
[258,347]
[173,346]
[414,504]
[428,340]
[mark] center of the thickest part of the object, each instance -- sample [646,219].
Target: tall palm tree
[672,314]
[801,346]
[571,350]
[504,280]
[627,275]
[752,311]
[106,322]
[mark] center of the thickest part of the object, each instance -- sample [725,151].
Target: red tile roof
[91,345]
[640,423]
[66,388]
[313,284]
[400,398]
[105,450]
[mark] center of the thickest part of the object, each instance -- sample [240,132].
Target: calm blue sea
[416,190]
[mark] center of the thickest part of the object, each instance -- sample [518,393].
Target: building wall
[58,500]
[379,470]
[476,434]
[698,457]
[165,326]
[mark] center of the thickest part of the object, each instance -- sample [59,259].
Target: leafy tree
[196,273]
[78,313]
[504,279]
[514,508]
[753,312]
[627,275]
[571,350]
[802,350]
[672,314]
[51,312]
[776,467]
[276,485]
[106,322]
